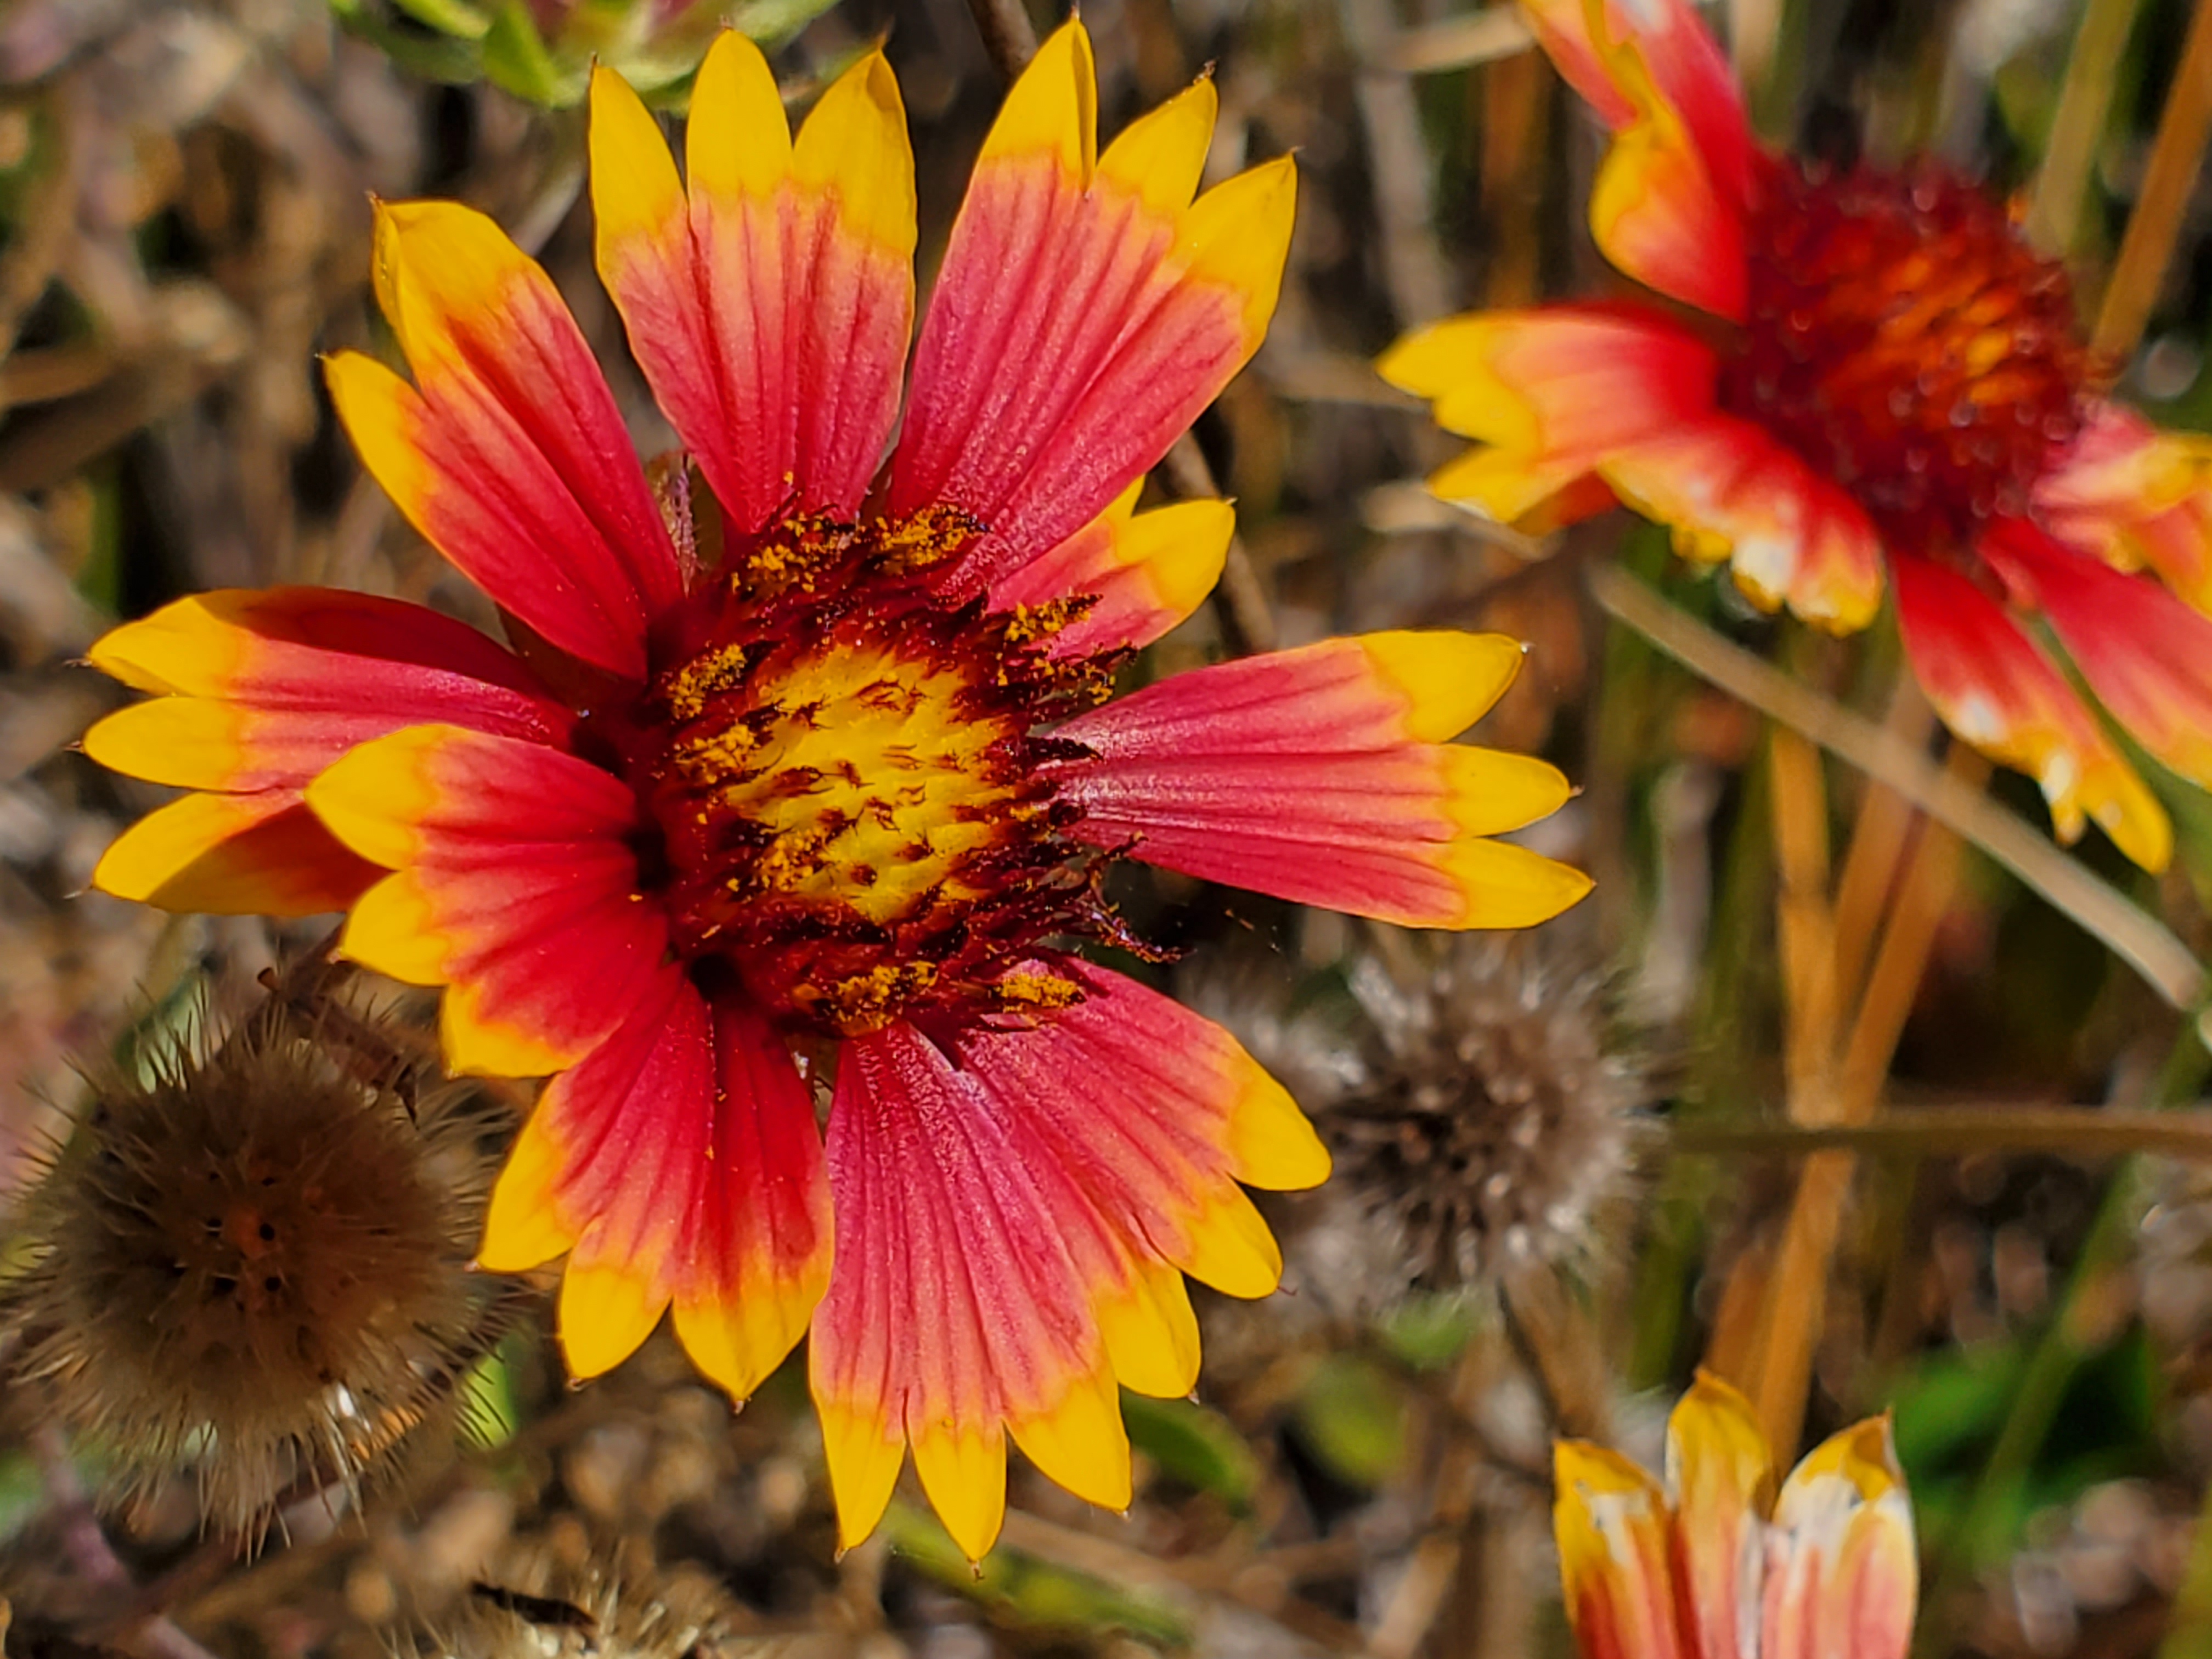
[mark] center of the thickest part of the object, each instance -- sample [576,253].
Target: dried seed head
[546,1610]
[250,1263]
[1480,1103]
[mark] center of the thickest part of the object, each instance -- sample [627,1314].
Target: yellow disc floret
[846,773]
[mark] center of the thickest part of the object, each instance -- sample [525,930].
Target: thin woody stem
[2138,939]
[2176,154]
[1008,34]
[1904,1131]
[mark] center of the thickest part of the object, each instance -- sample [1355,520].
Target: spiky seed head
[542,1609]
[248,1263]
[1481,1100]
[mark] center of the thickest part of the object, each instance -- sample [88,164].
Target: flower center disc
[847,776]
[1907,343]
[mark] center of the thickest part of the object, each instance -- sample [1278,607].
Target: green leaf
[458,18]
[1197,1446]
[1352,1413]
[443,58]
[1427,1333]
[517,59]
[1021,1590]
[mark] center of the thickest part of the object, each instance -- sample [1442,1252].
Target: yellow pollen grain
[689,690]
[864,1002]
[923,539]
[1041,991]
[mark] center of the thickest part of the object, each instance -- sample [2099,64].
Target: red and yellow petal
[2135,496]
[1995,687]
[1843,1575]
[514,885]
[1685,64]
[758,1257]
[1087,310]
[629,1192]
[1155,1115]
[1657,214]
[1146,571]
[1721,1477]
[507,453]
[678,1162]
[2146,654]
[264,689]
[1553,393]
[1731,492]
[768,304]
[1316,774]
[260,855]
[1616,1560]
[955,1315]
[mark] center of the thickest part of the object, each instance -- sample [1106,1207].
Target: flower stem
[2138,939]
[2077,127]
[1903,1132]
[2147,249]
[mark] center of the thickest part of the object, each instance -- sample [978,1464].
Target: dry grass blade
[1480,36]
[2077,128]
[2139,940]
[1955,1131]
[2155,225]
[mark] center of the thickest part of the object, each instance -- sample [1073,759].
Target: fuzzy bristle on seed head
[541,1608]
[1496,1118]
[247,1265]
[1481,1102]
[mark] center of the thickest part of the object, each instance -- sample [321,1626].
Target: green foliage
[1351,1415]
[1038,1596]
[656,49]
[1196,1445]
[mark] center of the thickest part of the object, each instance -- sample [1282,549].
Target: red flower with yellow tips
[1837,373]
[811,787]
[1716,1564]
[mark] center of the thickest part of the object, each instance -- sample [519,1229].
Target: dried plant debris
[247,1265]
[1481,1096]
[545,1611]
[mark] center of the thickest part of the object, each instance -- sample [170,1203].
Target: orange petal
[508,453]
[1842,1574]
[1146,572]
[756,1258]
[234,855]
[2133,496]
[1658,209]
[1086,311]
[1731,492]
[2146,654]
[1685,64]
[1721,1481]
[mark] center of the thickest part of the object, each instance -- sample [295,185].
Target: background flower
[1716,1562]
[1888,378]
